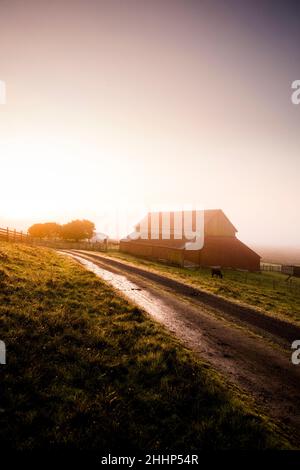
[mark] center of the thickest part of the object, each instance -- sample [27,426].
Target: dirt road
[251,350]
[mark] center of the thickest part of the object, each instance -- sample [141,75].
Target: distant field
[87,370]
[280,255]
[268,291]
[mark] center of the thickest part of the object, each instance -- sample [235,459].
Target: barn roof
[209,214]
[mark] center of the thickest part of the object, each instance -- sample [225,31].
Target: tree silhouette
[48,230]
[78,230]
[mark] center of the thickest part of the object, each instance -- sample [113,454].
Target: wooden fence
[20,237]
[70,245]
[14,236]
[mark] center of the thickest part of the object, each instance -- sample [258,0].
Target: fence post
[7,234]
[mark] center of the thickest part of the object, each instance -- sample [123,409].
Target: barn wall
[217,251]
[154,251]
[228,252]
[192,256]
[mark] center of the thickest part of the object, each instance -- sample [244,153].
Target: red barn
[162,236]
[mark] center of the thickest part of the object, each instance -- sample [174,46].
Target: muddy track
[271,325]
[244,359]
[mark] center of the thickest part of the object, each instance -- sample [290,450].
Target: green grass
[87,370]
[267,291]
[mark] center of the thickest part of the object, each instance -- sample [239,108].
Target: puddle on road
[155,307]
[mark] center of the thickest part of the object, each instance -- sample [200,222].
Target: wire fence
[275,279]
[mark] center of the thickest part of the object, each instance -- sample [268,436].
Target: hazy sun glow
[128,109]
[47,177]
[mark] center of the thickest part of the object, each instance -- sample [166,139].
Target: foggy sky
[116,107]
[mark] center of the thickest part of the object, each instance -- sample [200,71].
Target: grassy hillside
[87,370]
[268,291]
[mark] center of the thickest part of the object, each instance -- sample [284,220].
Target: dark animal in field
[216,272]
